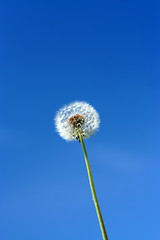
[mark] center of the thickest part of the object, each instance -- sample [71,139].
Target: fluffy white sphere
[85,116]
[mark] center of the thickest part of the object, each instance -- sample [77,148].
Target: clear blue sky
[102,52]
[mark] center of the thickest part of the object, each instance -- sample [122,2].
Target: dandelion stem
[101,223]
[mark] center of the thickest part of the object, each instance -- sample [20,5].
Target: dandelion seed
[78,117]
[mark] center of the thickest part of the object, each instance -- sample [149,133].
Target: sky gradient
[104,53]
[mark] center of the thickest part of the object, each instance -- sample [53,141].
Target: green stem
[101,223]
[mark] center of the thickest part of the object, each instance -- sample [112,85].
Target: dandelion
[74,122]
[78,117]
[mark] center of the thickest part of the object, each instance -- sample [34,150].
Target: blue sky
[107,54]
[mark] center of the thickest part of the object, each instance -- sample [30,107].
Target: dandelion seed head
[75,118]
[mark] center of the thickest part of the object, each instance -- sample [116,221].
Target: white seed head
[75,118]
